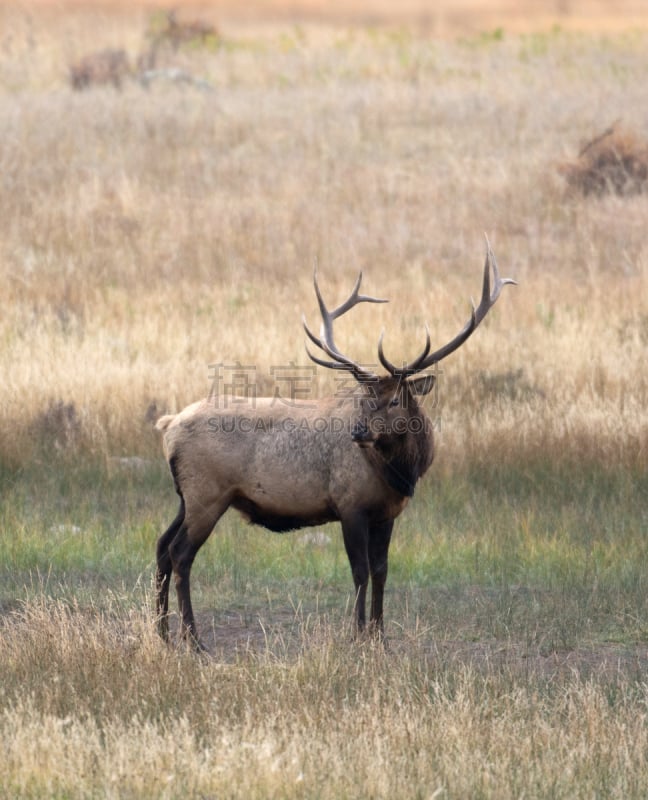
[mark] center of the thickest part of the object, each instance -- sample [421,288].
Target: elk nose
[359,432]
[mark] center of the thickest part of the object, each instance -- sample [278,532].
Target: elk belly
[273,518]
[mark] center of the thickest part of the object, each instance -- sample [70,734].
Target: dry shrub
[110,66]
[177,32]
[59,425]
[174,34]
[615,161]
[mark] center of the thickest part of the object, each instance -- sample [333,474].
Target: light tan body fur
[290,461]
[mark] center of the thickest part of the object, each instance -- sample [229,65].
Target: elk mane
[403,460]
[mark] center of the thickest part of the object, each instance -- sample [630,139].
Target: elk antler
[325,341]
[488,300]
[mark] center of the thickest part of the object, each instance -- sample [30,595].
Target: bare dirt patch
[233,634]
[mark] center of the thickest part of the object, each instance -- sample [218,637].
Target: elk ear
[422,385]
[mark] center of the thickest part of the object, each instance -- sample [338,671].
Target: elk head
[387,407]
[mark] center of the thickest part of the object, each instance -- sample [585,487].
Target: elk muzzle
[361,434]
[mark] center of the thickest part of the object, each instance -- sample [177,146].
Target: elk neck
[402,460]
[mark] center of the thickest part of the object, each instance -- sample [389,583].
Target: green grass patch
[536,553]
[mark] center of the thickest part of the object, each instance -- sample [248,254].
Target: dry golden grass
[95,705]
[148,234]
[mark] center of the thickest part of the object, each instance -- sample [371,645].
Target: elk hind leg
[190,537]
[163,572]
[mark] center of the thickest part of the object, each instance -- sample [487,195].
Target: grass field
[146,234]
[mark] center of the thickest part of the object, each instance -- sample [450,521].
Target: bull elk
[355,459]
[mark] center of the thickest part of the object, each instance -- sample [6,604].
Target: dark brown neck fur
[404,460]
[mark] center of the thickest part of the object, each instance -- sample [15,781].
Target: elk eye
[394,402]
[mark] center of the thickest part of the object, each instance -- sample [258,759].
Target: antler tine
[354,299]
[332,364]
[406,369]
[326,341]
[381,355]
[415,364]
[342,361]
[488,300]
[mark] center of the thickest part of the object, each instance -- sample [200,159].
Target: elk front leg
[379,539]
[355,531]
